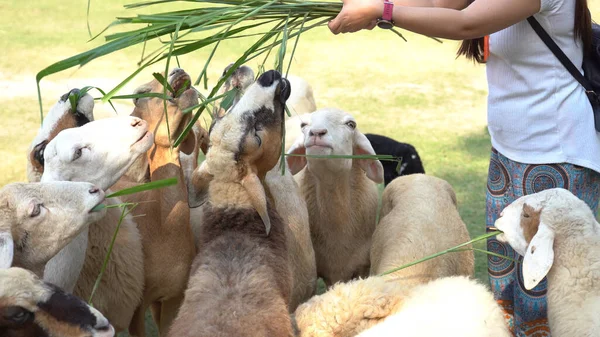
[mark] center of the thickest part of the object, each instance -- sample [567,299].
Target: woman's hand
[356,15]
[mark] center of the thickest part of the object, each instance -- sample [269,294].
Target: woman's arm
[481,18]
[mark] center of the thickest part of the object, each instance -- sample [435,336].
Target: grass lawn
[415,91]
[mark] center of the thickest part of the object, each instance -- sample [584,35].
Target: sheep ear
[296,163]
[198,188]
[6,250]
[539,256]
[258,198]
[372,167]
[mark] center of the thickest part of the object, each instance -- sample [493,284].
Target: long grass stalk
[449,250]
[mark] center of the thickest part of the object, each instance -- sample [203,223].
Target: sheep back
[241,281]
[420,218]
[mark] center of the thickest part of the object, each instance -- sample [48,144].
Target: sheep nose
[267,79]
[65,97]
[94,190]
[317,132]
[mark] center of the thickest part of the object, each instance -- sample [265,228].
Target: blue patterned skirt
[525,310]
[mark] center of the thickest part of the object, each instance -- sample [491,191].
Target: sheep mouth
[144,142]
[180,82]
[98,207]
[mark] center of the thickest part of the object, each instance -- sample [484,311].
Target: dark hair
[473,49]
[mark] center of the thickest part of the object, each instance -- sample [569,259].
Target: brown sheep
[241,281]
[419,217]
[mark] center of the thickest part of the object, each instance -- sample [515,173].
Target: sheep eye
[258,140]
[77,154]
[36,210]
[351,124]
[17,315]
[525,215]
[302,125]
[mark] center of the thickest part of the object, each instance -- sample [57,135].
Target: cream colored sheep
[376,306]
[290,205]
[241,282]
[40,219]
[558,236]
[32,308]
[419,217]
[341,194]
[76,154]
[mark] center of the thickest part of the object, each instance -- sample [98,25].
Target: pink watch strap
[388,9]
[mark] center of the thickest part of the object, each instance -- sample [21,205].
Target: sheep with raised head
[30,307]
[558,236]
[37,220]
[164,219]
[340,193]
[241,282]
[406,154]
[377,306]
[289,203]
[419,217]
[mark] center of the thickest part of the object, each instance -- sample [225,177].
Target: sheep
[410,162]
[341,198]
[75,154]
[419,217]
[39,219]
[164,221]
[240,282]
[452,306]
[32,308]
[288,202]
[558,236]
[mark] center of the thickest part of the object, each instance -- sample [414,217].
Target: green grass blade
[144,187]
[331,156]
[88,19]
[450,250]
[282,48]
[294,51]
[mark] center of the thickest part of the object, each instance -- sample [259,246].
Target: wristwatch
[386,21]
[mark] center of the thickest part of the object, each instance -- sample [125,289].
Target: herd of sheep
[236,247]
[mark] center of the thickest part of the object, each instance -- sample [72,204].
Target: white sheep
[241,283]
[419,217]
[32,308]
[558,236]
[452,306]
[341,194]
[40,219]
[86,154]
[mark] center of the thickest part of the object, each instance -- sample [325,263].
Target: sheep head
[99,152]
[333,132]
[31,307]
[246,144]
[530,223]
[152,109]
[240,79]
[61,116]
[38,219]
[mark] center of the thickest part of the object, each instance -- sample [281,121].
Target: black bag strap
[559,54]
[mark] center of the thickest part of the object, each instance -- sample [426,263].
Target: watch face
[384,24]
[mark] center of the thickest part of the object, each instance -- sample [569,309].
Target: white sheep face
[25,300]
[39,219]
[333,132]
[99,152]
[528,226]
